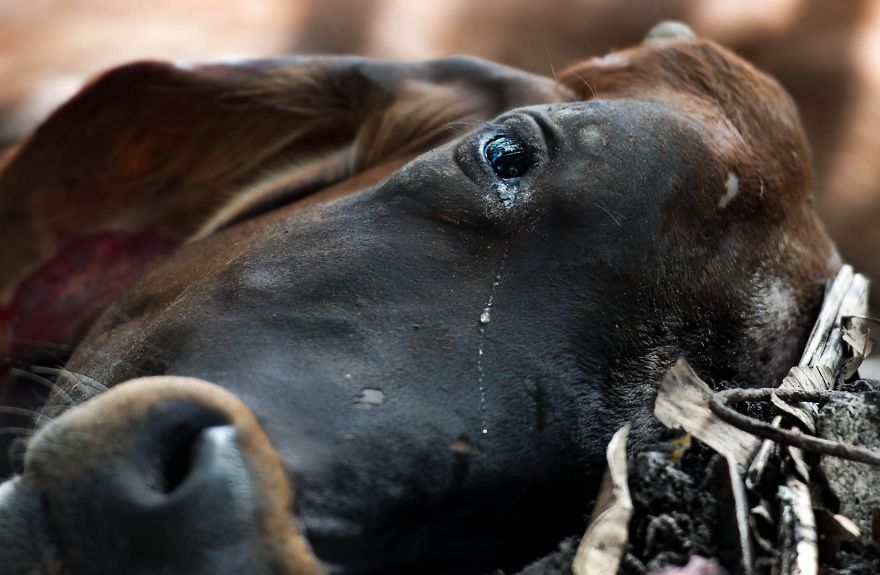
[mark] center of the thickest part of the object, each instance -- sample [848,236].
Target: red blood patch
[57,303]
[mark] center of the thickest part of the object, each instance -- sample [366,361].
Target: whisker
[64,351]
[568,95]
[35,378]
[31,414]
[454,129]
[73,377]
[17,431]
[552,69]
[471,123]
[44,343]
[461,127]
[15,454]
[616,218]
[588,85]
[35,416]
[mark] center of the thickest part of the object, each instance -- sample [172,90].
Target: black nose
[158,479]
[170,489]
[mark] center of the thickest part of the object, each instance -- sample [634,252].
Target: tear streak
[485,318]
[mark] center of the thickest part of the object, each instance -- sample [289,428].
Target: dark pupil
[507,157]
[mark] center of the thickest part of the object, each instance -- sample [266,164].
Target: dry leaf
[603,544]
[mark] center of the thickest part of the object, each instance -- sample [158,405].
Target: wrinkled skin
[437,355]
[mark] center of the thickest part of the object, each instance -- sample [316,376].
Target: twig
[720,406]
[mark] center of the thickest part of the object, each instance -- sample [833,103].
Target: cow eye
[507,157]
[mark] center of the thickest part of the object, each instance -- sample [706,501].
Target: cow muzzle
[160,474]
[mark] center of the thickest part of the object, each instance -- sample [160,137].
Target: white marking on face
[731,190]
[613,60]
[369,398]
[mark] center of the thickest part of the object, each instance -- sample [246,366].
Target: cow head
[439,287]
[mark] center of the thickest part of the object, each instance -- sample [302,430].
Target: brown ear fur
[151,154]
[707,81]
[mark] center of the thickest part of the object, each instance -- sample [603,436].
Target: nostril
[172,442]
[175,463]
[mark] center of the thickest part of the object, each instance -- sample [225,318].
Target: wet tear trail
[485,318]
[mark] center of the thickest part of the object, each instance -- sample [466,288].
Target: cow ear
[153,154]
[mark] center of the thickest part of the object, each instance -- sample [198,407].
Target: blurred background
[826,52]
